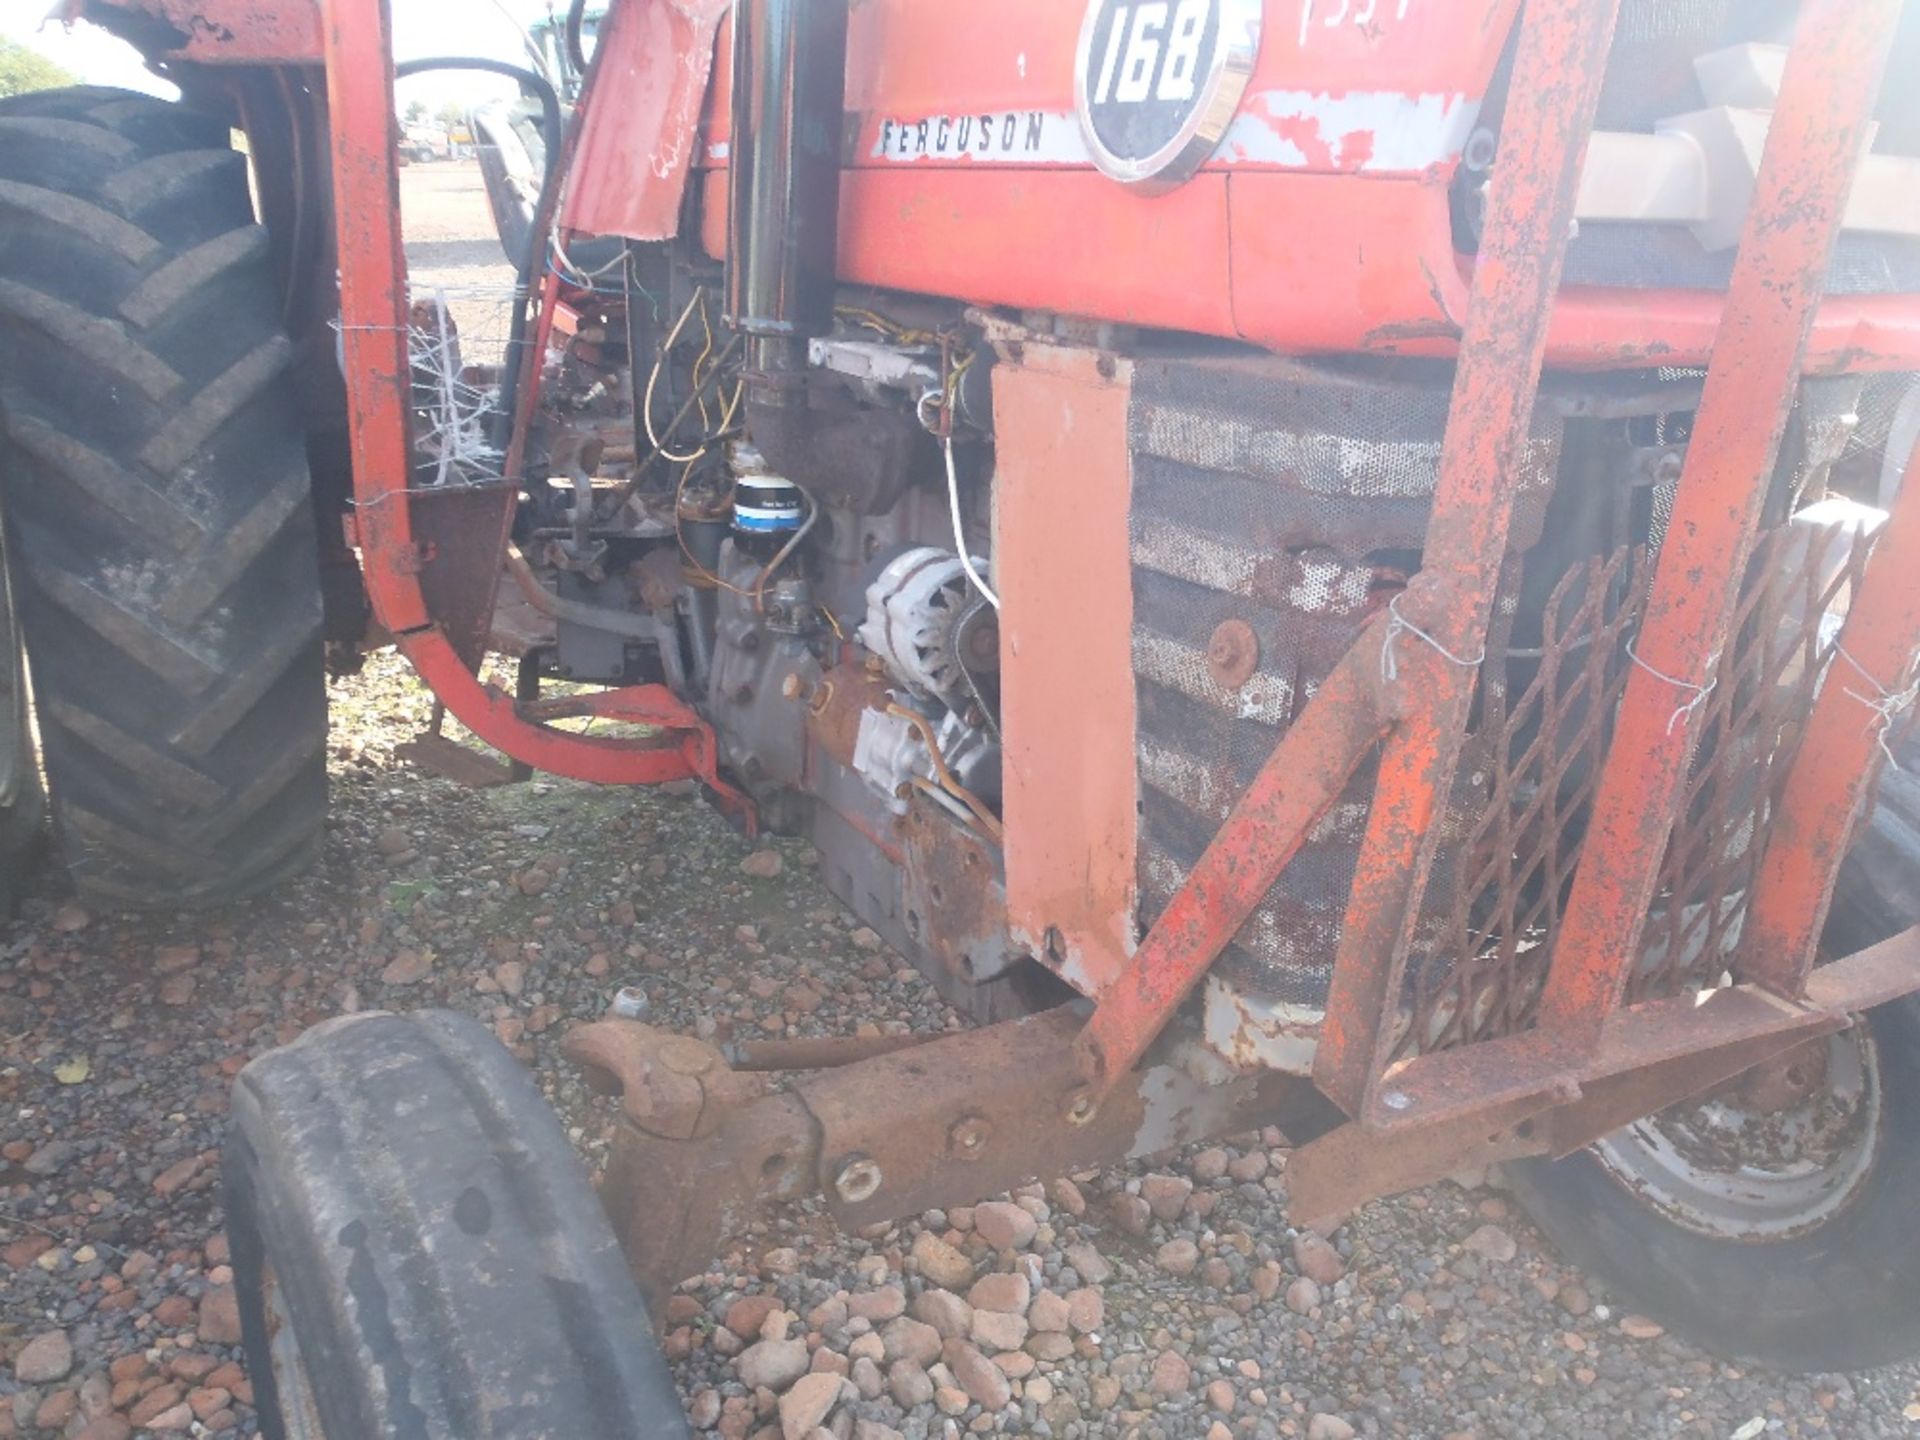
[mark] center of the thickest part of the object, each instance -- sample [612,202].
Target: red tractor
[1337,564]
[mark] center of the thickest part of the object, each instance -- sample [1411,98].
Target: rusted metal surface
[1485,977]
[1874,976]
[1332,1176]
[969,1116]
[1751,728]
[1853,721]
[955,899]
[822,1054]
[1300,780]
[1329,1178]
[219,32]
[1233,654]
[702,1153]
[674,1203]
[640,137]
[1291,497]
[1429,1089]
[1066,667]
[673,1086]
[1555,90]
[946,1120]
[458,530]
[450,760]
[1607,1104]
[1817,134]
[837,705]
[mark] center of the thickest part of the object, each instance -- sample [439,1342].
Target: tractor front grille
[1291,497]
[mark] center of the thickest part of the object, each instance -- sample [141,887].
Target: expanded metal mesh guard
[1484,979]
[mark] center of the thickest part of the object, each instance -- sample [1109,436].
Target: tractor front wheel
[1772,1220]
[417,1252]
[160,533]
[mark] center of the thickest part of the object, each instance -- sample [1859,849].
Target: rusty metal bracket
[702,1153]
[672,1086]
[1524,1095]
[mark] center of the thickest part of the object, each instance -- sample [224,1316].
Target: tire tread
[160,524]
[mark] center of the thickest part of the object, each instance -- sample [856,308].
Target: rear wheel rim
[1733,1170]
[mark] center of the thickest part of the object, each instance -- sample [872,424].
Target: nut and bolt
[857,1179]
[629,1003]
[969,1136]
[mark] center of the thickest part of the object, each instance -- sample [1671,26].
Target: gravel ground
[1151,1302]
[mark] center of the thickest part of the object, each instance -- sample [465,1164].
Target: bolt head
[969,1136]
[857,1180]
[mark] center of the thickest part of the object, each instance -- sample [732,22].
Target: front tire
[1801,1260]
[159,523]
[417,1253]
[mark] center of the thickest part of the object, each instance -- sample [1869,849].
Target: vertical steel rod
[1556,90]
[1817,136]
[1838,758]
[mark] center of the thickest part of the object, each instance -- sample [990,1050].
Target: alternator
[913,609]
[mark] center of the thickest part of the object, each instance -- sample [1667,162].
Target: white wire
[454,432]
[583,278]
[1887,705]
[1699,693]
[653,379]
[1398,625]
[959,530]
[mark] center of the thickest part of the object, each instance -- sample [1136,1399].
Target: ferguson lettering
[1032,136]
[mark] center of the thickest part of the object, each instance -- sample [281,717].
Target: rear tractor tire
[159,527]
[417,1253]
[23,804]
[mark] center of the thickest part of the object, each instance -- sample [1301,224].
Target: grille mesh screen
[1292,497]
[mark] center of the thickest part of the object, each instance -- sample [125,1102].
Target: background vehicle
[1091,469]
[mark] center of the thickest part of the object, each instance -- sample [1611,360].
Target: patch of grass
[401,894]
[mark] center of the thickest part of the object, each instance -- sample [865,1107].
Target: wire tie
[1399,625]
[1699,693]
[1887,705]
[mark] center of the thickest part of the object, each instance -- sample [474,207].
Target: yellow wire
[873,320]
[699,301]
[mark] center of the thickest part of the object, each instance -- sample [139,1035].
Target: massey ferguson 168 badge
[1157,82]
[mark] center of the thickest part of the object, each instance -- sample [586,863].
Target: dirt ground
[1166,1300]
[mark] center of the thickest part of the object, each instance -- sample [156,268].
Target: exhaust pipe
[783,233]
[789,94]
